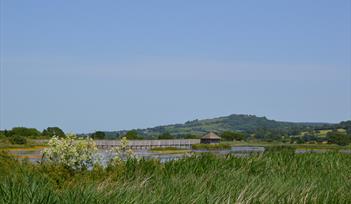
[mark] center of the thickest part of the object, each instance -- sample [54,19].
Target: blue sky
[111,65]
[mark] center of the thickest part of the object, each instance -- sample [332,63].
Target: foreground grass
[266,178]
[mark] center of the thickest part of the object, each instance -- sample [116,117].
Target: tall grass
[273,177]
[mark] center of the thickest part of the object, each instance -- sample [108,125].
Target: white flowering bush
[122,152]
[73,153]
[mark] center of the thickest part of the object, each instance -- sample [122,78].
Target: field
[258,143]
[274,177]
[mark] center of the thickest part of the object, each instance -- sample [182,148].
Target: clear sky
[111,65]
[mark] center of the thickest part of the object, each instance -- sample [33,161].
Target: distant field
[298,146]
[323,133]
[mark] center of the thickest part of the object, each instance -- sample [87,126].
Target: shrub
[72,153]
[230,136]
[53,131]
[339,138]
[98,135]
[133,135]
[123,152]
[23,131]
[16,139]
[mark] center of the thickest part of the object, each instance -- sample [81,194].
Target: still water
[104,156]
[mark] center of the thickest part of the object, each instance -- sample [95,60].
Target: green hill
[244,123]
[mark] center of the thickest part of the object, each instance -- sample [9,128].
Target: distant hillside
[244,123]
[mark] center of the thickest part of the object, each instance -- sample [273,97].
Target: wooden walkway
[148,144]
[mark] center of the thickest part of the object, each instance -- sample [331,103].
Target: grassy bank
[255,143]
[267,178]
[31,143]
[169,150]
[220,146]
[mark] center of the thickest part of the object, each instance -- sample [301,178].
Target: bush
[98,135]
[72,153]
[230,136]
[53,131]
[16,139]
[133,135]
[339,138]
[23,131]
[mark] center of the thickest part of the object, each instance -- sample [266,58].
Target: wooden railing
[147,144]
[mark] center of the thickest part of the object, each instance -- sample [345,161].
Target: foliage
[166,136]
[23,131]
[16,139]
[53,131]
[72,153]
[261,127]
[98,135]
[2,134]
[190,136]
[211,146]
[133,135]
[339,138]
[122,152]
[230,136]
[266,178]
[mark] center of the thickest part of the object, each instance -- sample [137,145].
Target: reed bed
[273,177]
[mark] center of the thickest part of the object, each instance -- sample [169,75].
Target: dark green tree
[165,136]
[98,135]
[23,131]
[190,136]
[230,136]
[53,131]
[133,135]
[339,138]
[17,139]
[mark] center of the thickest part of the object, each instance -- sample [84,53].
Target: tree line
[19,135]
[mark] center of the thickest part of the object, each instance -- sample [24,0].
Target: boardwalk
[141,144]
[148,144]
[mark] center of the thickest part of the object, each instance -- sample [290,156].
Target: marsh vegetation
[273,177]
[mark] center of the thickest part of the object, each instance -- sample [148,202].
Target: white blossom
[71,152]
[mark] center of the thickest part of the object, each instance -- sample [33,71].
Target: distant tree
[17,139]
[23,131]
[230,136]
[2,134]
[165,136]
[190,136]
[339,138]
[296,140]
[133,135]
[53,131]
[98,135]
[347,126]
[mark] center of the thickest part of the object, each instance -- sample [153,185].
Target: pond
[35,155]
